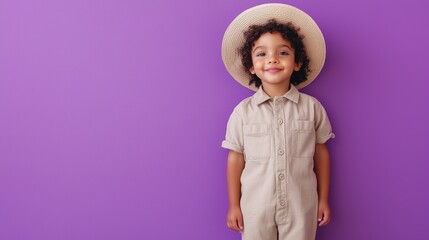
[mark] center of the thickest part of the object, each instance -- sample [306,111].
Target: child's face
[273,59]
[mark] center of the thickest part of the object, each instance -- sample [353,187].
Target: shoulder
[243,105]
[308,99]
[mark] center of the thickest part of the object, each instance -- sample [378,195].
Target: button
[281,176]
[280,121]
[283,203]
[281,152]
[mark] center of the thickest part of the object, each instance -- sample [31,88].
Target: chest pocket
[257,142]
[304,140]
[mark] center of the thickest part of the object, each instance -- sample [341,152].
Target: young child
[278,164]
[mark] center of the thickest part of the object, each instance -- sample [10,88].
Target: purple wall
[112,114]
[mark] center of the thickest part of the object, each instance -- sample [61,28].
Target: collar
[260,96]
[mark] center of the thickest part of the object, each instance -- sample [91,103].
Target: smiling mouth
[273,70]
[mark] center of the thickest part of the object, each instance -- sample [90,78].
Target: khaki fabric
[277,136]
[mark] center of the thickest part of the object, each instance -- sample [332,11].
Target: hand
[234,219]
[324,214]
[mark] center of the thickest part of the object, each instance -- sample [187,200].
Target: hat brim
[233,39]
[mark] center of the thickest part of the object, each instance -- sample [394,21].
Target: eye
[284,53]
[260,54]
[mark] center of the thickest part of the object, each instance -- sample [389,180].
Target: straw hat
[233,38]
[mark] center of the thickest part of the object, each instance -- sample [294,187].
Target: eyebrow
[254,50]
[283,45]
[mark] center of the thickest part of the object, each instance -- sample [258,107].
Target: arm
[235,167]
[322,169]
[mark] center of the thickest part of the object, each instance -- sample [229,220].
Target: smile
[273,70]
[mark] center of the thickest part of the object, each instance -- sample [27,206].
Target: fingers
[240,223]
[235,224]
[323,218]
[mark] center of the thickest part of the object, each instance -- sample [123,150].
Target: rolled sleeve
[234,133]
[322,125]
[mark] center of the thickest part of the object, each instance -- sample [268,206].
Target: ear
[297,66]
[252,70]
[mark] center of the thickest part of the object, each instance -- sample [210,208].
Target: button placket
[281,155]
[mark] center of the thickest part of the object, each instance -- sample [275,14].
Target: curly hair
[289,32]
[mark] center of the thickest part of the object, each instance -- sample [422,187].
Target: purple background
[112,114]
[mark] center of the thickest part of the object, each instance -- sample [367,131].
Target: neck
[275,90]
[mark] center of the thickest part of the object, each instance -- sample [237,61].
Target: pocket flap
[303,125]
[256,129]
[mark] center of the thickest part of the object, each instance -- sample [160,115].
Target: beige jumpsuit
[277,136]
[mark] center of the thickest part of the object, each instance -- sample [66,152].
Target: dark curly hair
[290,33]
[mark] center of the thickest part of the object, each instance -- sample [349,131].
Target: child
[278,163]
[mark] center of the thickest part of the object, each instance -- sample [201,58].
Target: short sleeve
[322,124]
[234,133]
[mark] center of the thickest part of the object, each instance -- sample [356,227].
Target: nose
[272,59]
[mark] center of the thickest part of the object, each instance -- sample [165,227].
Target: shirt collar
[260,96]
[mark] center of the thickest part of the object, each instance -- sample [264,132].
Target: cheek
[257,63]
